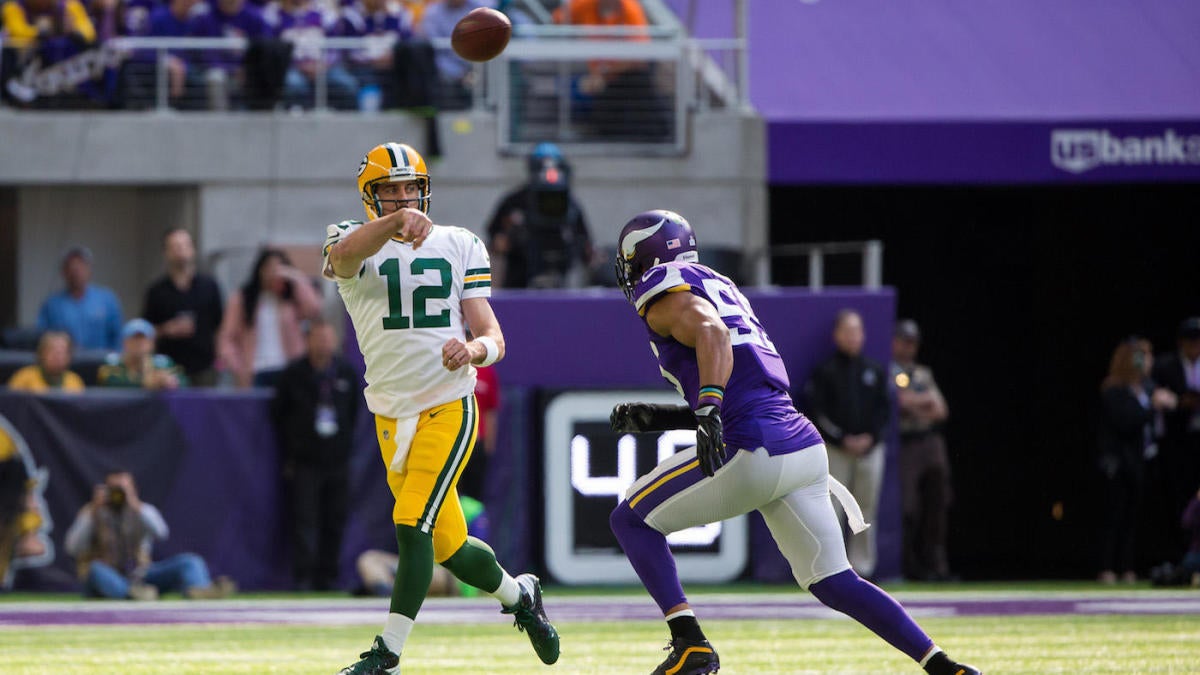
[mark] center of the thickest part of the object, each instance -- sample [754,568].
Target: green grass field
[1021,644]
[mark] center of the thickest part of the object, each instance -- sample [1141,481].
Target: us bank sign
[1081,150]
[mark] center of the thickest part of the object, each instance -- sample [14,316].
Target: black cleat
[530,618]
[689,658]
[378,660]
[941,664]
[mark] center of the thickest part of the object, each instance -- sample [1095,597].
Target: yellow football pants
[424,486]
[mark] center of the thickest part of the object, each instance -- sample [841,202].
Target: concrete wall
[114,181]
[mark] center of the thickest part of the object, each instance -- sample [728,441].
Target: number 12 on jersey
[422,293]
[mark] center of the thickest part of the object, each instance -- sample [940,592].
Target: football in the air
[481,35]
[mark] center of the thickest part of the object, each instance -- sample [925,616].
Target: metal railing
[688,74]
[871,252]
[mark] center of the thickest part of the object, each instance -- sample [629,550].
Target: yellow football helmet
[391,163]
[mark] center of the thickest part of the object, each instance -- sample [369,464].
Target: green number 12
[396,320]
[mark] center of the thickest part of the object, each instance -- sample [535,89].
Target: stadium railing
[870,253]
[534,87]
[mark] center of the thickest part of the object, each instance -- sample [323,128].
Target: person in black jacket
[848,401]
[1179,371]
[1129,402]
[316,403]
[185,308]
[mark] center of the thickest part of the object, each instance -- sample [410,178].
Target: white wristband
[493,350]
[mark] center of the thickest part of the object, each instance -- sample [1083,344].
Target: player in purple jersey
[753,451]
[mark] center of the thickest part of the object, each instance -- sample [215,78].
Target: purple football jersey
[757,411]
[303,27]
[246,22]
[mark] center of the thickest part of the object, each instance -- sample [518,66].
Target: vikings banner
[61,68]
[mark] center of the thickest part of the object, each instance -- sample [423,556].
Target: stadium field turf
[785,632]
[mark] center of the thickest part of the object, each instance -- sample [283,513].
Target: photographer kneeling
[111,540]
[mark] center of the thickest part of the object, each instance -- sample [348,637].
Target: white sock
[509,592]
[930,654]
[396,630]
[682,612]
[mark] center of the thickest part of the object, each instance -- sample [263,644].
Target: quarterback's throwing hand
[455,354]
[710,439]
[630,417]
[414,227]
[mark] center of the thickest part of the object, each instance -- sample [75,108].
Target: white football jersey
[405,305]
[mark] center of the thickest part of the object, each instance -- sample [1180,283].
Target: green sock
[475,563]
[414,572]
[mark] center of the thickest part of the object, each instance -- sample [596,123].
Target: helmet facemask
[375,205]
[626,277]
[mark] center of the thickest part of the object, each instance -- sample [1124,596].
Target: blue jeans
[342,89]
[177,573]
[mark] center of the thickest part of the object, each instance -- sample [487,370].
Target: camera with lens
[115,496]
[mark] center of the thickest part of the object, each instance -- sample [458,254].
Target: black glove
[710,439]
[643,417]
[631,417]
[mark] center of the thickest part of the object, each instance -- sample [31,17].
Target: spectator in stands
[90,313]
[112,539]
[300,23]
[538,235]
[261,329]
[185,79]
[135,15]
[925,491]
[1179,371]
[384,24]
[52,369]
[185,308]
[1125,440]
[848,401]
[457,76]
[105,16]
[316,404]
[621,100]
[137,365]
[27,22]
[222,68]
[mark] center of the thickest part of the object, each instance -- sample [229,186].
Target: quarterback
[413,289]
[753,451]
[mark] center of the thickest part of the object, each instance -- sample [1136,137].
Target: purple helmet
[652,238]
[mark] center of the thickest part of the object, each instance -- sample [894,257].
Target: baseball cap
[137,327]
[77,251]
[908,329]
[1189,328]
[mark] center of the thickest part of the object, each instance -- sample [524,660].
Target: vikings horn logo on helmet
[652,238]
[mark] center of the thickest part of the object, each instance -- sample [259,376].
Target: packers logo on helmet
[391,163]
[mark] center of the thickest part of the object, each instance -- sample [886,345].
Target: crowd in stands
[186,333]
[283,33]
[57,55]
